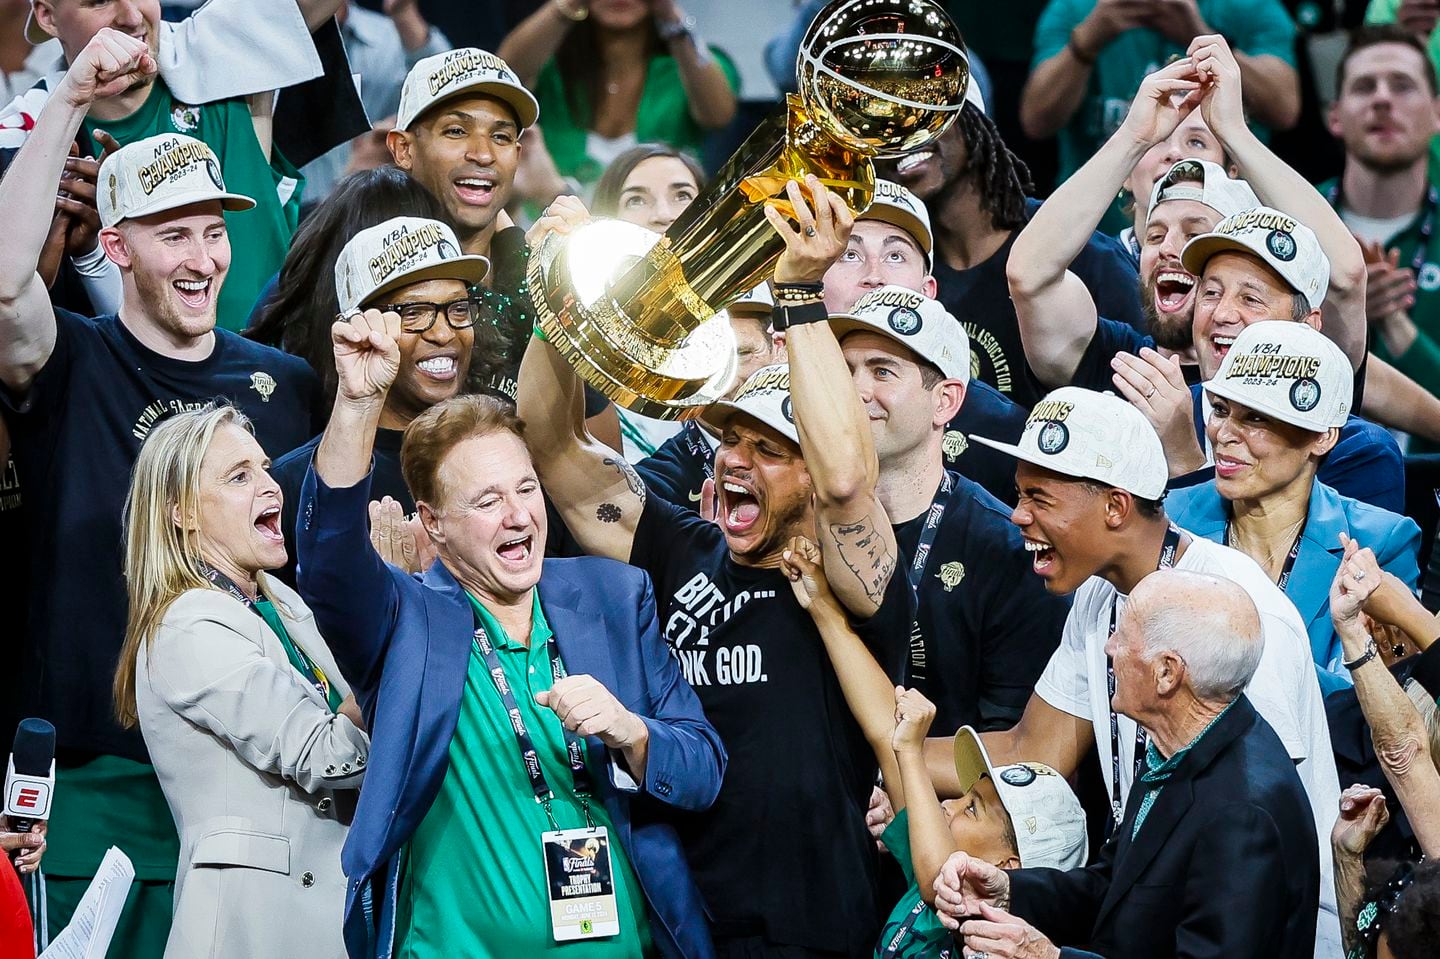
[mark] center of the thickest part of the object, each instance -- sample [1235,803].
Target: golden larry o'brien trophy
[640,317]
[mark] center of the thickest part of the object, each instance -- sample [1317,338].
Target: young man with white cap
[1092,475]
[1275,409]
[683,468]
[796,458]
[413,267]
[984,624]
[891,245]
[79,397]
[215,80]
[1020,814]
[977,191]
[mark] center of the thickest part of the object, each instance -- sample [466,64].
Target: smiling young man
[80,395]
[796,458]
[984,623]
[1092,476]
[413,267]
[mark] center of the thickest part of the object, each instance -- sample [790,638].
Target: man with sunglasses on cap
[1092,478]
[892,245]
[984,624]
[796,458]
[80,395]
[410,266]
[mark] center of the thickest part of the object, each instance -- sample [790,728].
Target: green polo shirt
[1255,27]
[473,880]
[259,238]
[1421,362]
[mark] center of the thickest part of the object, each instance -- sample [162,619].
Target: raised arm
[1044,735]
[855,534]
[1278,185]
[598,494]
[1057,85]
[1053,306]
[707,88]
[110,63]
[1402,744]
[535,39]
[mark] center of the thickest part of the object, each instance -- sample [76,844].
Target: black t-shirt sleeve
[1111,337]
[1109,271]
[74,335]
[666,537]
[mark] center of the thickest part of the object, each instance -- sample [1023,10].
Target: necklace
[1286,540]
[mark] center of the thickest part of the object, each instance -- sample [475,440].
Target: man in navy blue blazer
[503,694]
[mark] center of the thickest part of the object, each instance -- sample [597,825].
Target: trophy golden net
[641,317]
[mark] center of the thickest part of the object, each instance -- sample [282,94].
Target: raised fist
[111,63]
[367,356]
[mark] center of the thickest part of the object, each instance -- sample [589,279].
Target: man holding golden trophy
[783,858]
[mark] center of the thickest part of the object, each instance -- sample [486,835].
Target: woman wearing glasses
[411,266]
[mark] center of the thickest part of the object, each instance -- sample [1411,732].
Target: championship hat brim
[231,202]
[1203,249]
[526,107]
[469,269]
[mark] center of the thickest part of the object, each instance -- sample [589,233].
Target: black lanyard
[1427,223]
[699,449]
[1117,809]
[927,533]
[893,944]
[1289,564]
[529,756]
[304,666]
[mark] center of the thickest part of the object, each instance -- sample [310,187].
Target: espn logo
[27,798]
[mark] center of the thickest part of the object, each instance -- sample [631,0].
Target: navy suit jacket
[403,642]
[1225,864]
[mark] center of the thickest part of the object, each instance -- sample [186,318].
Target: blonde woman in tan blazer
[249,723]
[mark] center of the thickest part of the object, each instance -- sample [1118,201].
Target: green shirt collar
[540,631]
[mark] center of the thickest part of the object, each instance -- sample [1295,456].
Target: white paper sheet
[91,928]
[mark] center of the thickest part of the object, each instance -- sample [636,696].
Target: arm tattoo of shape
[864,551]
[632,478]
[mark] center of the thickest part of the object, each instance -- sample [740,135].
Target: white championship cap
[466,70]
[754,302]
[1206,183]
[1282,242]
[1097,436]
[899,207]
[765,397]
[398,252]
[1288,371]
[161,173]
[1048,820]
[920,324]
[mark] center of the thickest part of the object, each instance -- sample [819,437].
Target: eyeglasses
[419,317]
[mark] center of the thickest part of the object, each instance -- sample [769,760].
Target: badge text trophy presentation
[640,317]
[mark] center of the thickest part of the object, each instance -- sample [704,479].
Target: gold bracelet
[568,15]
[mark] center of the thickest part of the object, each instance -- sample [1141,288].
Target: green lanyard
[303,664]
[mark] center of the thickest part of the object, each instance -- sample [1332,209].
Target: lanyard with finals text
[891,948]
[302,662]
[1117,808]
[528,754]
[699,449]
[916,664]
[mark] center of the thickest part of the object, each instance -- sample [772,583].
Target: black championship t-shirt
[980,299]
[986,626]
[75,436]
[676,471]
[385,480]
[986,412]
[784,852]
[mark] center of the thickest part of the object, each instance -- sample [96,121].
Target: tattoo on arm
[608,513]
[632,478]
[865,552]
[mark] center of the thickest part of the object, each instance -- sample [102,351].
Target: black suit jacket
[1225,863]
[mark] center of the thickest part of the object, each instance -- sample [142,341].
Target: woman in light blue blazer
[1274,411]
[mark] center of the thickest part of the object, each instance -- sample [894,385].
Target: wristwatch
[1371,651]
[675,29]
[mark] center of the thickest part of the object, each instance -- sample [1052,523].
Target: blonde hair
[162,559]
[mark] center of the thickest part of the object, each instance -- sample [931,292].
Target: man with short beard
[796,458]
[79,397]
[976,191]
[1386,114]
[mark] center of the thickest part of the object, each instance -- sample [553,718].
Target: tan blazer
[258,773]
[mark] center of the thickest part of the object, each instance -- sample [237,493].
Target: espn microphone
[30,778]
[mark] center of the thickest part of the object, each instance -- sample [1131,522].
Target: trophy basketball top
[883,77]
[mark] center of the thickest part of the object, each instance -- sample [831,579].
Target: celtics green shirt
[259,238]
[473,876]
[925,937]
[1254,27]
[1421,361]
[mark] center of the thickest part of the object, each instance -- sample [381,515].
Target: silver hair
[1215,629]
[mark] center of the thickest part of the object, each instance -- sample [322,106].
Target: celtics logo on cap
[904,321]
[1305,394]
[1281,245]
[1053,437]
[212,167]
[786,411]
[1017,775]
[447,250]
